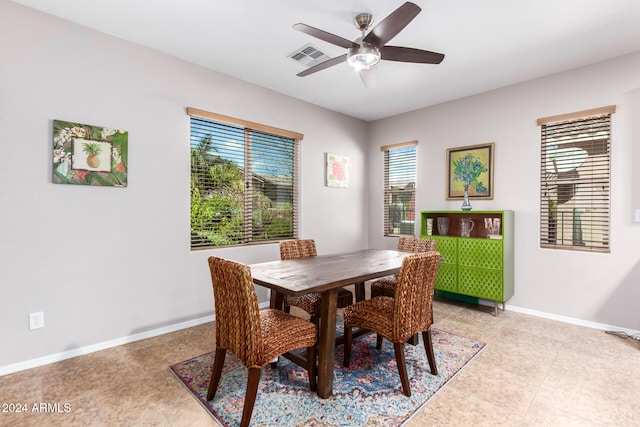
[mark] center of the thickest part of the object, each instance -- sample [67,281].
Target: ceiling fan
[367,50]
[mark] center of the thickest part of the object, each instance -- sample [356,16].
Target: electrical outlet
[36,320]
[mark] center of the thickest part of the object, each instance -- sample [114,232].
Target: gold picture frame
[474,162]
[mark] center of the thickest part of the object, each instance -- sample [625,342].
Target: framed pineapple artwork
[89,155]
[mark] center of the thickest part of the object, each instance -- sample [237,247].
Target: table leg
[360,292]
[276,300]
[327,344]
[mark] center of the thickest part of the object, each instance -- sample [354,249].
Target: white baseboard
[571,320]
[564,319]
[57,357]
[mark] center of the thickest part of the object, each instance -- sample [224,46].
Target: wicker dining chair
[255,336]
[295,249]
[400,317]
[385,287]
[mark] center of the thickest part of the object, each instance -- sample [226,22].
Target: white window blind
[243,184]
[400,189]
[575,181]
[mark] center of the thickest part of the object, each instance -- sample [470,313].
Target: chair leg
[311,367]
[378,341]
[428,348]
[253,380]
[315,320]
[398,349]
[218,363]
[274,364]
[414,340]
[348,337]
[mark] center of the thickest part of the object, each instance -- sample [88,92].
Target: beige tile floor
[534,372]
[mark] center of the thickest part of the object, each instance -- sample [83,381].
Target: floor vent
[308,55]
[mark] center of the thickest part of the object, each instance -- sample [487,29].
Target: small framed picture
[337,171]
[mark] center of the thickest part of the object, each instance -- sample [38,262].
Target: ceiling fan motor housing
[363,21]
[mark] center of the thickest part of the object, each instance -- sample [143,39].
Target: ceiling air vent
[308,55]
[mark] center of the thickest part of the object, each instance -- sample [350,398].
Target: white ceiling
[488,43]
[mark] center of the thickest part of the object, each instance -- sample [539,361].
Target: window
[575,180]
[243,181]
[400,189]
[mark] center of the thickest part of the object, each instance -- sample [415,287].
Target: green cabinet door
[480,268]
[447,270]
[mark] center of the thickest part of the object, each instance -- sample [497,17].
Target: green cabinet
[475,266]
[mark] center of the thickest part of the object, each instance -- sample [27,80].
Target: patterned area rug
[368,393]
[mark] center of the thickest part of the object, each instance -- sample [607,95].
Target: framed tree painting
[470,168]
[89,155]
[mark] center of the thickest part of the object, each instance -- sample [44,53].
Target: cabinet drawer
[446,279]
[480,282]
[482,253]
[447,246]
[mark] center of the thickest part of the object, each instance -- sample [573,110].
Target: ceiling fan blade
[369,77]
[408,54]
[390,26]
[323,35]
[321,66]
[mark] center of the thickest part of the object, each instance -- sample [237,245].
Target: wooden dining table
[325,274]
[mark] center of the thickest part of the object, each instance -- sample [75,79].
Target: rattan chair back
[416,244]
[237,311]
[413,295]
[294,249]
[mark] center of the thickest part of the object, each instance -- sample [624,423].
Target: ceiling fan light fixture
[363,57]
[364,53]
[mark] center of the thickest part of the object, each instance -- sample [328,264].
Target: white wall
[105,263]
[597,288]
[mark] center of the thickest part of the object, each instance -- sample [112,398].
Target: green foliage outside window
[218,188]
